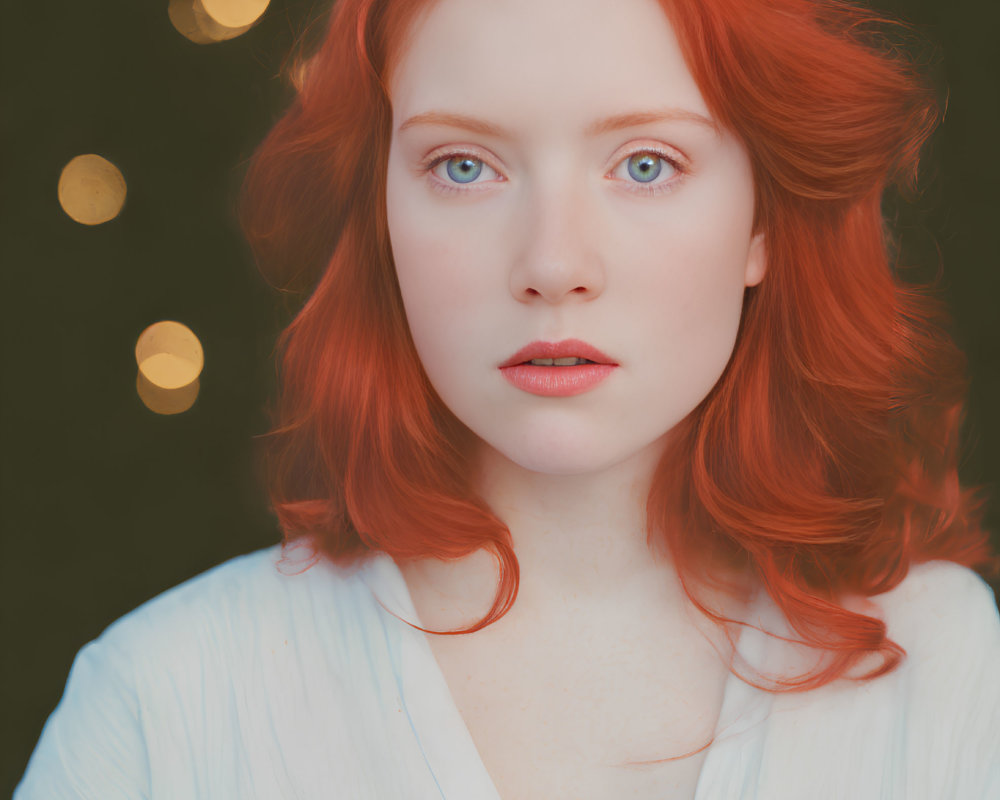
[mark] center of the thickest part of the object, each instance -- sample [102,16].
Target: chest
[565,714]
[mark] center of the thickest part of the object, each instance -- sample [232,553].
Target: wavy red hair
[824,462]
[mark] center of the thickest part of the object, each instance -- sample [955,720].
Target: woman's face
[554,175]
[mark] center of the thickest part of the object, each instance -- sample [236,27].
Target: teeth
[570,361]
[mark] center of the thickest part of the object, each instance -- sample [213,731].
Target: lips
[567,348]
[556,380]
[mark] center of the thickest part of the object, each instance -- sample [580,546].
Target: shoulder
[947,691]
[202,674]
[242,593]
[267,607]
[945,618]
[941,610]
[923,731]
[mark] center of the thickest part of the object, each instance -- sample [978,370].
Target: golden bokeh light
[91,189]
[166,401]
[235,13]
[209,21]
[169,355]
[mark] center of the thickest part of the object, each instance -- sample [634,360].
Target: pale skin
[558,235]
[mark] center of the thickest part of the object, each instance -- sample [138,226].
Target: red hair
[824,462]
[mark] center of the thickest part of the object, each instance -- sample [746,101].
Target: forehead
[538,61]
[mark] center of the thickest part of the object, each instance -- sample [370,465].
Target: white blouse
[249,682]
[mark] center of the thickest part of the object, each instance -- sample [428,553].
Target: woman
[602,298]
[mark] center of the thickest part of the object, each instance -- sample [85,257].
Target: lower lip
[557,381]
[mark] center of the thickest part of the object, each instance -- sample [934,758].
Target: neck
[575,535]
[580,541]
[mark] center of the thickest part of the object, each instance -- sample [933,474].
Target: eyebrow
[607,125]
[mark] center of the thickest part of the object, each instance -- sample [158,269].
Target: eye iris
[463,169]
[644,167]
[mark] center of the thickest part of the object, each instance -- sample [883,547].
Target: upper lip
[567,348]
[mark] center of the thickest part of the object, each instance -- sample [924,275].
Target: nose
[556,259]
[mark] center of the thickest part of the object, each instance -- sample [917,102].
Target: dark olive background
[105,504]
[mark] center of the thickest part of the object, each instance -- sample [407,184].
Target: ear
[756,261]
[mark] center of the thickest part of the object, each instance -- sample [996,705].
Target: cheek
[441,284]
[690,298]
[694,270]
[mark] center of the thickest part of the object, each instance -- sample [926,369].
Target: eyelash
[639,188]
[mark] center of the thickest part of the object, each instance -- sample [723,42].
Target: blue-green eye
[645,167]
[453,171]
[463,169]
[648,172]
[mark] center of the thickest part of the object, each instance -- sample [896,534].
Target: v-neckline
[444,737]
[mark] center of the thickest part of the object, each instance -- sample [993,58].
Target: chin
[556,464]
[572,453]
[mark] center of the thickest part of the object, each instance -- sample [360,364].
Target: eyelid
[673,157]
[670,155]
[442,154]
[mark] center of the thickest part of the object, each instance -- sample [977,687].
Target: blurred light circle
[192,21]
[166,401]
[91,189]
[235,13]
[169,355]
